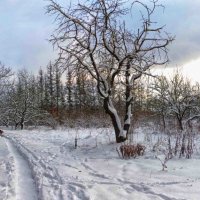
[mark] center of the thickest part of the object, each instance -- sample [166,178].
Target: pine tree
[69,88]
[57,89]
[41,86]
[50,88]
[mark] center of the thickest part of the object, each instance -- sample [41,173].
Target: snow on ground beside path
[5,170]
[55,170]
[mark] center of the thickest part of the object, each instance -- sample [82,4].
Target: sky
[24,33]
[25,30]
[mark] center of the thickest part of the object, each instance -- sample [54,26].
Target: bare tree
[96,35]
[5,83]
[160,99]
[21,101]
[176,97]
[5,74]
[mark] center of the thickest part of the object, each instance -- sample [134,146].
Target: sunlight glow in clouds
[190,70]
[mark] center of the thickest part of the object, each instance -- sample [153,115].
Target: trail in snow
[48,181]
[5,172]
[60,172]
[24,183]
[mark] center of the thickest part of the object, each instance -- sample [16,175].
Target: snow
[44,164]
[23,178]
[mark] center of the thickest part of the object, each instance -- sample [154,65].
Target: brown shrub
[131,150]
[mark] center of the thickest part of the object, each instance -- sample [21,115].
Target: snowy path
[25,188]
[41,165]
[41,180]
[5,171]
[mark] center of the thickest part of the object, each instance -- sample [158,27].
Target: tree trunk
[22,123]
[129,99]
[127,119]
[111,111]
[180,123]
[16,125]
[22,126]
[163,121]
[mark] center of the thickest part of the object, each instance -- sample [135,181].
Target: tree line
[53,98]
[51,94]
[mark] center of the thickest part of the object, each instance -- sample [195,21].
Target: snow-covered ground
[44,165]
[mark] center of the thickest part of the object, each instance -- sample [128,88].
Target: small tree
[5,84]
[159,101]
[69,88]
[5,74]
[96,35]
[40,88]
[176,97]
[22,100]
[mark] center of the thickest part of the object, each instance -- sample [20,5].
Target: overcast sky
[25,30]
[24,33]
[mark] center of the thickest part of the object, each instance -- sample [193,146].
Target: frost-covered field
[43,164]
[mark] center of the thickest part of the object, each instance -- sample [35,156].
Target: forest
[70,98]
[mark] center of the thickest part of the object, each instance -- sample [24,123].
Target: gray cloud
[24,30]
[182,20]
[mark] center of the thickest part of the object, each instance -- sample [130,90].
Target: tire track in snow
[25,188]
